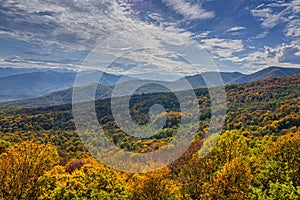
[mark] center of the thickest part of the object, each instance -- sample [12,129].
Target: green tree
[4,145]
[278,176]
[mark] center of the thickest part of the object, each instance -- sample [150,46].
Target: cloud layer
[188,10]
[241,36]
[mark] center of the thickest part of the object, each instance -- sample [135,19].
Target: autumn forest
[256,157]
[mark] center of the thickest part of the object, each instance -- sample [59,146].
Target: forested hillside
[257,156]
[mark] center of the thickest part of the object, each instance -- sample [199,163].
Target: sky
[150,36]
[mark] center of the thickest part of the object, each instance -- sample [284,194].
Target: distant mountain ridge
[199,80]
[7,71]
[33,83]
[269,72]
[196,81]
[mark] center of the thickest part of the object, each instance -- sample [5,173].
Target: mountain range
[27,83]
[55,88]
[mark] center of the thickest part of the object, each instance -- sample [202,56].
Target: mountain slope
[34,84]
[4,72]
[8,71]
[59,97]
[197,81]
[269,72]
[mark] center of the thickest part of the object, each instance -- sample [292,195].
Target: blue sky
[150,36]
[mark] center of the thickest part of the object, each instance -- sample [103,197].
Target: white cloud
[18,62]
[81,25]
[274,14]
[234,45]
[268,18]
[156,17]
[189,10]
[236,28]
[285,55]
[293,29]
[295,5]
[201,35]
[223,49]
[262,34]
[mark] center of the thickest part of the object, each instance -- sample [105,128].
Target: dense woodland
[256,157]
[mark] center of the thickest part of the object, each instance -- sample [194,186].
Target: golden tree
[21,166]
